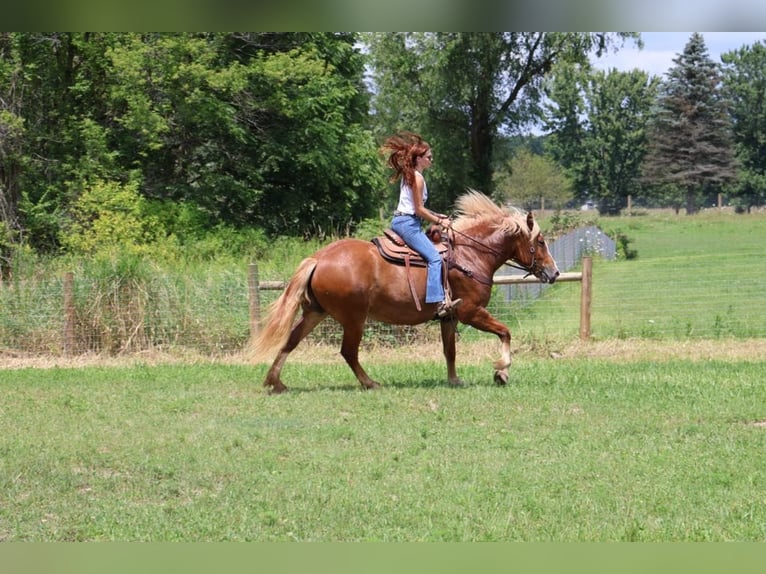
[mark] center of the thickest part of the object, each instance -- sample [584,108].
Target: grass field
[653,431]
[576,449]
[701,277]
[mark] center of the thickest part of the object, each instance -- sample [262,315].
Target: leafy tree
[463,91]
[690,145]
[254,129]
[598,121]
[531,180]
[257,129]
[57,84]
[744,75]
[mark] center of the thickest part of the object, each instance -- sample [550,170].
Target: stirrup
[447,308]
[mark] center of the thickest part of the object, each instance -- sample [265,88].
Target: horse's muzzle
[549,275]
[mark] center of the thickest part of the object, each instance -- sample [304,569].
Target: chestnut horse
[350,281]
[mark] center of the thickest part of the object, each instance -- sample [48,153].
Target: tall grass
[695,277]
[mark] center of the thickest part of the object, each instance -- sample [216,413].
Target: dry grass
[627,350]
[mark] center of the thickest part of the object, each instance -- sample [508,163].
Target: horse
[350,281]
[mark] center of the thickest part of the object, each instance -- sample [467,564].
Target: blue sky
[660,48]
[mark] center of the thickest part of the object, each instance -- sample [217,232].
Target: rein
[491,249]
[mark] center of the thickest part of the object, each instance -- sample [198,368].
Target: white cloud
[661,48]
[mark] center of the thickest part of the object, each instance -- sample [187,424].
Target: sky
[660,48]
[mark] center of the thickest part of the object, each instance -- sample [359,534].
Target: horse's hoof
[456,383]
[371,386]
[276,389]
[501,378]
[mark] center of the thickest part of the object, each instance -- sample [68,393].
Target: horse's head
[536,258]
[504,234]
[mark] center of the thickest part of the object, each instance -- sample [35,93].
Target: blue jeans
[408,228]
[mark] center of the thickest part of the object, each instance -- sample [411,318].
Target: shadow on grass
[392,384]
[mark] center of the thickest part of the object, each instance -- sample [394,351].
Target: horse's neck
[483,251]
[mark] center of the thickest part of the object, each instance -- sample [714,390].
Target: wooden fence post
[254,298]
[586,297]
[69,313]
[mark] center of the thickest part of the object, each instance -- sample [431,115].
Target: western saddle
[393,249]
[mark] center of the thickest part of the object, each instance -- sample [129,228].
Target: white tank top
[406,204]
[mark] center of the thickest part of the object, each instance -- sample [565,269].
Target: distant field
[575,449]
[695,277]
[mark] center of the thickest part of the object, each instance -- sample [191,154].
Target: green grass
[573,450]
[695,277]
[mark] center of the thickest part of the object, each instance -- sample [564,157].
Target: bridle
[530,270]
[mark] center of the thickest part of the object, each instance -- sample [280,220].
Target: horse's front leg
[482,320]
[448,344]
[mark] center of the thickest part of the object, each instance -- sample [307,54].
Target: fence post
[254,298]
[69,313]
[586,297]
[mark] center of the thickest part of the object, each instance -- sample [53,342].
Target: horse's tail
[279,321]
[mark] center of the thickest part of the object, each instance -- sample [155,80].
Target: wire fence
[567,250]
[75,314]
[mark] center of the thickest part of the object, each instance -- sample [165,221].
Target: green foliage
[598,120]
[462,90]
[273,131]
[562,222]
[690,133]
[369,228]
[108,216]
[624,250]
[531,179]
[252,129]
[744,76]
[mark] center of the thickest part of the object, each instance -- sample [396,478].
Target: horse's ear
[530,221]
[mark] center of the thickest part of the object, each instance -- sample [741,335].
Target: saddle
[394,250]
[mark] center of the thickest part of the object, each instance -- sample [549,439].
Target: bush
[110,215]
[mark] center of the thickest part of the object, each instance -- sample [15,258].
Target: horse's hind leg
[352,337]
[303,327]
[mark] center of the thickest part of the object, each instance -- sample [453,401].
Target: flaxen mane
[474,207]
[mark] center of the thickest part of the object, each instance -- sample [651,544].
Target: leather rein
[481,279]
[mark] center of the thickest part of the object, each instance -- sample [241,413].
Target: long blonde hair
[403,149]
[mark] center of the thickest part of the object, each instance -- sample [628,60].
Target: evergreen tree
[690,143]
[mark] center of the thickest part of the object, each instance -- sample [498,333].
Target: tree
[531,181]
[597,121]
[744,75]
[690,145]
[464,90]
[51,83]
[254,129]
